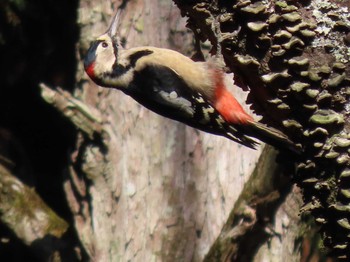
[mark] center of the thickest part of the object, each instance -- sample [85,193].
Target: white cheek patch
[123,60]
[105,60]
[177,102]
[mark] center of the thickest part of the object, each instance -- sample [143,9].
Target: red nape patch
[226,104]
[90,70]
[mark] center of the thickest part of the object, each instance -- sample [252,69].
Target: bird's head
[103,55]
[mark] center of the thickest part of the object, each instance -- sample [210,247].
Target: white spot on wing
[220,121]
[173,95]
[200,99]
[207,111]
[178,102]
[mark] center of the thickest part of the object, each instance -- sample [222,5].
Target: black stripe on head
[119,69]
[137,55]
[91,53]
[115,45]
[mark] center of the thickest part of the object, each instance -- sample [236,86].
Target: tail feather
[235,135]
[270,136]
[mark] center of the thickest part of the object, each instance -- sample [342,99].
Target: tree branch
[21,208]
[83,116]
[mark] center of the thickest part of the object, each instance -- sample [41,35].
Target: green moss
[345,173]
[307,33]
[336,80]
[255,9]
[257,26]
[281,4]
[20,203]
[312,93]
[345,193]
[299,86]
[325,117]
[292,17]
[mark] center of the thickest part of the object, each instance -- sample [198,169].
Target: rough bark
[144,188]
[253,219]
[294,56]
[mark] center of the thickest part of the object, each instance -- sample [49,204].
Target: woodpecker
[176,87]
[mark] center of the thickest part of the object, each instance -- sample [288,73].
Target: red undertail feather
[226,104]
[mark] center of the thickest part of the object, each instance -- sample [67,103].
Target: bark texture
[143,187]
[152,188]
[294,56]
[22,210]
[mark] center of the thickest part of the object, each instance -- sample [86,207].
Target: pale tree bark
[157,189]
[144,188]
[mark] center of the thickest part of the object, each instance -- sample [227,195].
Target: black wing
[163,91]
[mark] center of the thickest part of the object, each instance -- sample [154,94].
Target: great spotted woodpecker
[176,87]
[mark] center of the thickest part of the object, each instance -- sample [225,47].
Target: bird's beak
[112,29]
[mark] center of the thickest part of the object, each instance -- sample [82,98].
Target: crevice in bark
[253,213]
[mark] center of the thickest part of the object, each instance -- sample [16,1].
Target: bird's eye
[104,45]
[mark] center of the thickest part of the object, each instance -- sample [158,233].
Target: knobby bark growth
[294,56]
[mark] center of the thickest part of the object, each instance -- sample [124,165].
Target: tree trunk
[153,188]
[294,56]
[150,188]
[144,188]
